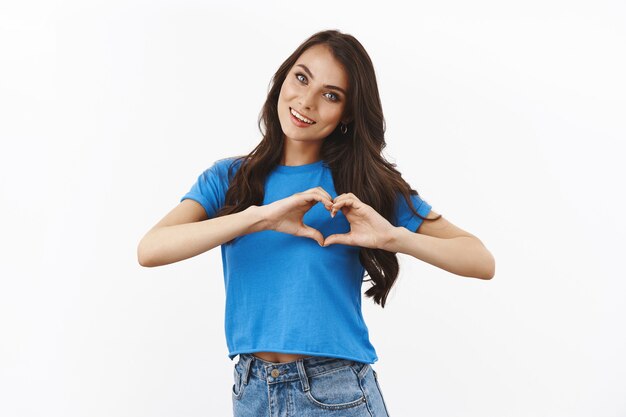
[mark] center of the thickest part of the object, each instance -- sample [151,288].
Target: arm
[444,245]
[186,232]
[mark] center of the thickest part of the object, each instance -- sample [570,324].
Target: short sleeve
[210,188]
[405,216]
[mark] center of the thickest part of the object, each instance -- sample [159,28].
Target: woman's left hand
[368,229]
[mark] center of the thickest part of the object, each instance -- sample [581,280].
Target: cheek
[287,92]
[332,114]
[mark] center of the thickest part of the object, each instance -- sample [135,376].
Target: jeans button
[275,373]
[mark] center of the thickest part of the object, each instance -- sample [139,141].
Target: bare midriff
[279,357]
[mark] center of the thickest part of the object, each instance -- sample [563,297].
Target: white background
[506,117]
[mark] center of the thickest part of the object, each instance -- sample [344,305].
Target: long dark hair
[355,158]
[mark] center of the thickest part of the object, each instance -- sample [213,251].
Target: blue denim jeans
[307,387]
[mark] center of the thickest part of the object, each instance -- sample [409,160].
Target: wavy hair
[355,158]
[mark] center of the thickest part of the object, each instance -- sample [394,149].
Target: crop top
[286,293]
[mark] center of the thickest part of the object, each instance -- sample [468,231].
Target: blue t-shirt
[285,293]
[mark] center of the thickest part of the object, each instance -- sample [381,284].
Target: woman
[293,268]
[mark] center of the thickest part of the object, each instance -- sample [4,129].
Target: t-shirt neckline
[299,168]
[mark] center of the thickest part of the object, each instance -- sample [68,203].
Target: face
[316,88]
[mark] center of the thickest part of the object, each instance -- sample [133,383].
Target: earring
[344,128]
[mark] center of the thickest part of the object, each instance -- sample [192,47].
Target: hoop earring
[344,128]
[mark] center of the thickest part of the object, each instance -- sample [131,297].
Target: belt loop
[364,370]
[304,379]
[246,369]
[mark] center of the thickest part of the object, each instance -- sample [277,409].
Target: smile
[301,117]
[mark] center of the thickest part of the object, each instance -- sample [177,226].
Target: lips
[303,115]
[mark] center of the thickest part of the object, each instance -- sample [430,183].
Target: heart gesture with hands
[286,215]
[367,228]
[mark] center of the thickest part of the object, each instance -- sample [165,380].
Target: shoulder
[226,162]
[221,166]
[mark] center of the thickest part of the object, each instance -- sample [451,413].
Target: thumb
[337,239]
[313,234]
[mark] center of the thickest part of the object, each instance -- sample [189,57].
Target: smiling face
[315,87]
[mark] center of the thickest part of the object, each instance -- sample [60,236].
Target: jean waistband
[302,368]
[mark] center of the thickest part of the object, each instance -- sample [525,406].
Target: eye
[300,75]
[336,98]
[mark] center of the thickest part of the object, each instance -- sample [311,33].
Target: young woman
[301,219]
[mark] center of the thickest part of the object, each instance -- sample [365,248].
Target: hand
[368,229]
[286,215]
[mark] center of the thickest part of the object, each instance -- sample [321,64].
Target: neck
[300,152]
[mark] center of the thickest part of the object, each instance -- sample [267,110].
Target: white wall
[506,117]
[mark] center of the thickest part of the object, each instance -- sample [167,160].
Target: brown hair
[355,158]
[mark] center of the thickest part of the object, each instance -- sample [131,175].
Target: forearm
[169,244]
[464,255]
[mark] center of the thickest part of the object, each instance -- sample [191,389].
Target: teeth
[299,116]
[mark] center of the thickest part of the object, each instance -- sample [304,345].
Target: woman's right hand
[286,215]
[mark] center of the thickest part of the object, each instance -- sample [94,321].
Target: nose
[307,99]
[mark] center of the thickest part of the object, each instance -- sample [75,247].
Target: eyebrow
[333,87]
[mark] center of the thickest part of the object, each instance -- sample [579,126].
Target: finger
[346,202]
[336,200]
[312,233]
[325,193]
[346,195]
[317,195]
[339,197]
[319,190]
[343,239]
